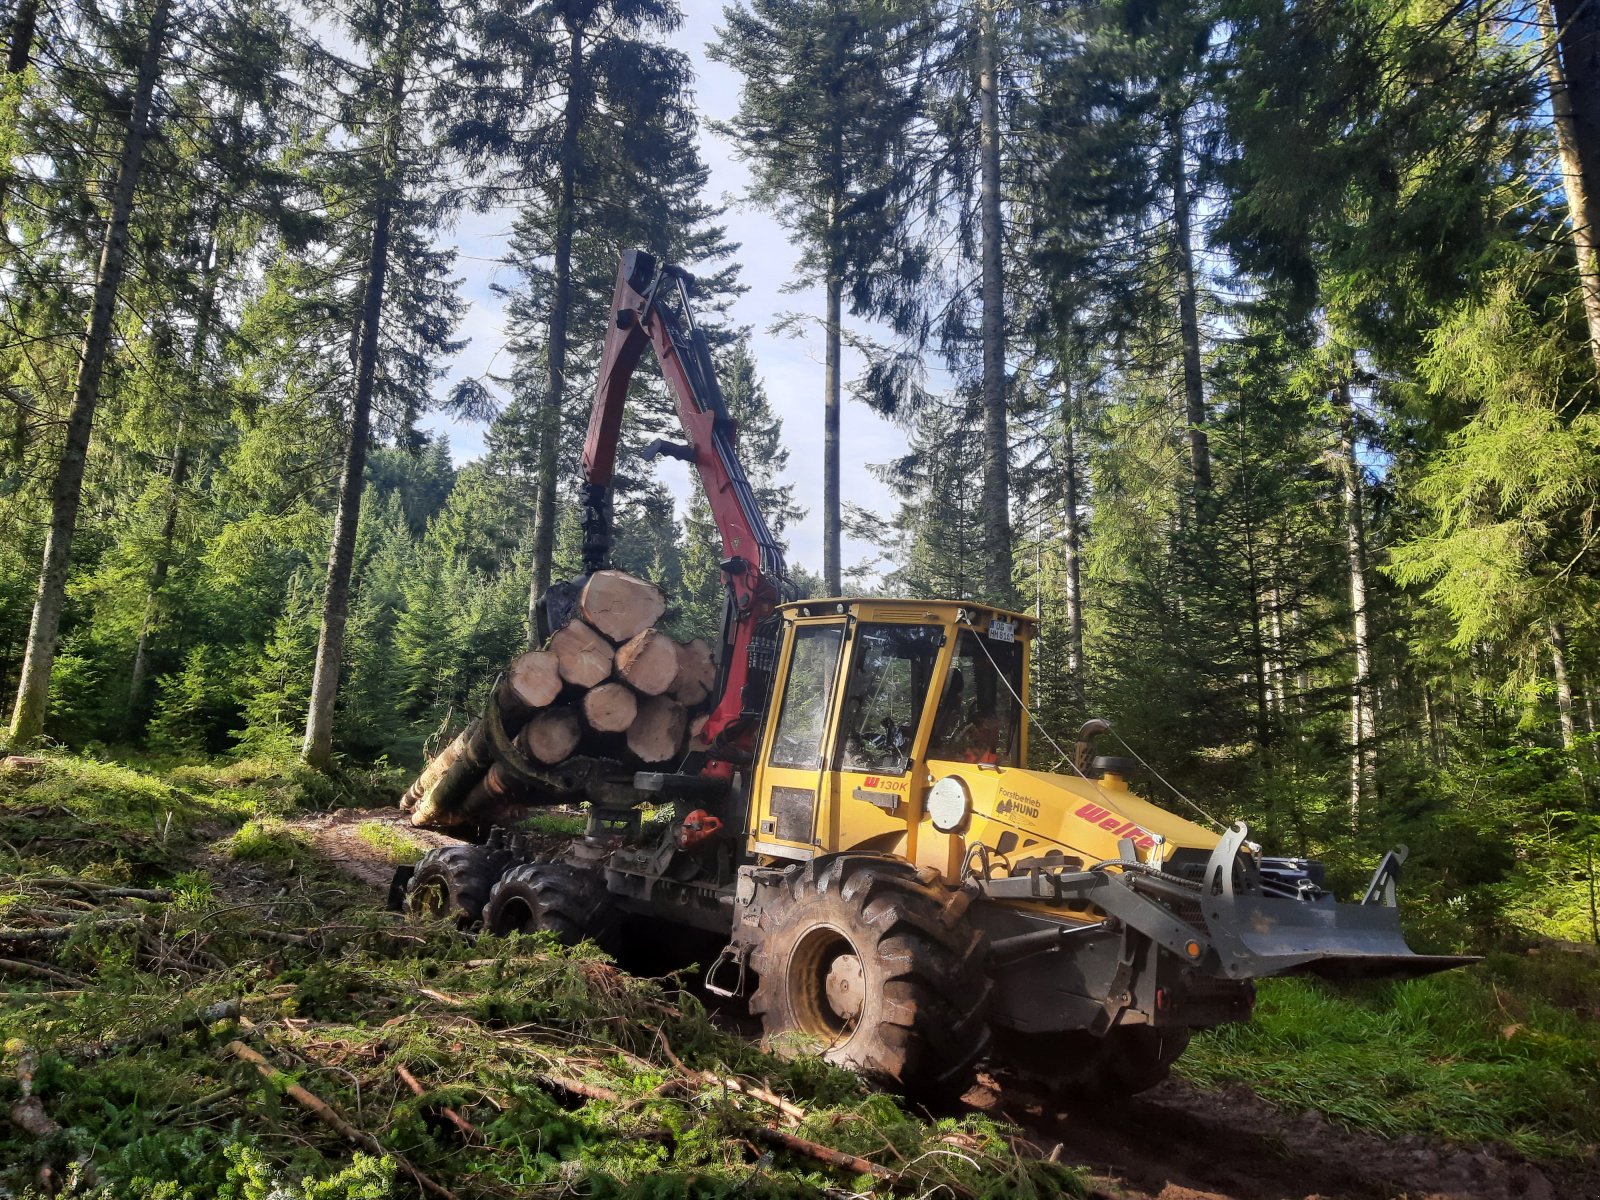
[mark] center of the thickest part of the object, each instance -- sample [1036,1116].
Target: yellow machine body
[812,793]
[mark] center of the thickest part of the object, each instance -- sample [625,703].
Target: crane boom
[651,306]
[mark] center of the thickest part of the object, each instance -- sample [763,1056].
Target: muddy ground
[1175,1142]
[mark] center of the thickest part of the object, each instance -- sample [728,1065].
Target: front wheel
[875,967]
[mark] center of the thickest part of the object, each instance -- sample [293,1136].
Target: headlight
[949,802]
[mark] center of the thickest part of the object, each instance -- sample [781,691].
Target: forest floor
[129,1022]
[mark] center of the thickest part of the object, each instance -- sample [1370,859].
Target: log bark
[551,736]
[697,673]
[450,776]
[610,708]
[584,657]
[498,790]
[657,733]
[649,663]
[620,605]
[532,681]
[66,491]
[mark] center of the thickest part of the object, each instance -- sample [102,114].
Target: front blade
[1272,936]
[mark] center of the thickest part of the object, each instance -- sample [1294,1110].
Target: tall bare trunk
[175,481]
[1363,750]
[1572,63]
[1558,660]
[555,385]
[33,693]
[317,749]
[1071,548]
[831,571]
[1194,395]
[996,442]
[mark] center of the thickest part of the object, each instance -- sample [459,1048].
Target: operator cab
[868,694]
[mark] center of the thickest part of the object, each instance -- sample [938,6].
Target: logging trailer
[891,885]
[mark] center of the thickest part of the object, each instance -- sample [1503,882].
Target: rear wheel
[874,966]
[454,882]
[569,902]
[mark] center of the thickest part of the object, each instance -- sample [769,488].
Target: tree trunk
[318,747]
[555,388]
[996,443]
[33,693]
[1194,396]
[1558,660]
[1572,63]
[1363,751]
[831,574]
[24,22]
[1071,546]
[175,481]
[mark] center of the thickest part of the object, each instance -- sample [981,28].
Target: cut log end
[620,605]
[551,736]
[610,708]
[697,673]
[649,662]
[583,657]
[533,680]
[656,735]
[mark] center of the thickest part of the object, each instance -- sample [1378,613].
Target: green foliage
[1496,1055]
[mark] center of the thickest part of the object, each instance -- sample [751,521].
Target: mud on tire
[873,965]
[454,881]
[567,901]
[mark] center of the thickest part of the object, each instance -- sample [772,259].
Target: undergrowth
[1508,1051]
[571,1077]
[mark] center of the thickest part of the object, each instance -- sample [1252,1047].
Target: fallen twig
[221,1011]
[39,971]
[793,1112]
[450,1114]
[782,1139]
[577,1087]
[91,888]
[330,1117]
[60,933]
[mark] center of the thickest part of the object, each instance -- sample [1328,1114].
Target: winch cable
[1163,781]
[1068,759]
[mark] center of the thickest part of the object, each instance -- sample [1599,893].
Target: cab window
[890,673]
[979,718]
[807,697]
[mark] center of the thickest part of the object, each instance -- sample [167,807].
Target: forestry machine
[891,884]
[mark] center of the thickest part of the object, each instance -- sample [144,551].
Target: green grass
[395,846]
[338,995]
[1498,1052]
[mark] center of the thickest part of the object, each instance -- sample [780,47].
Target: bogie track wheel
[874,966]
[454,881]
[567,901]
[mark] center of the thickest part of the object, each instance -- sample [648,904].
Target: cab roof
[879,608]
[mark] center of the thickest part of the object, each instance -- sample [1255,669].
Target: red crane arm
[651,306]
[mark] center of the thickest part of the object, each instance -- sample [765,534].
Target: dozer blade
[1266,936]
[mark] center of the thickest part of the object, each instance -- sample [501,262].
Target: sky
[790,366]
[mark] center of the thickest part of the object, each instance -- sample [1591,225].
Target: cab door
[790,776]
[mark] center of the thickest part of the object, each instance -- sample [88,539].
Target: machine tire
[875,963]
[1137,1057]
[454,881]
[567,901]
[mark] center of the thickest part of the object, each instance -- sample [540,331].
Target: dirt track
[1175,1142]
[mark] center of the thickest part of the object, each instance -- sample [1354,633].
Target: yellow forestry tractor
[890,884]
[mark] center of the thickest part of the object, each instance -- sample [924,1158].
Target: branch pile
[609,690]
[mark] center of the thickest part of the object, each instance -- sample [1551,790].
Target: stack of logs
[608,685]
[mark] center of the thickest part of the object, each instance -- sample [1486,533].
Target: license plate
[1002,631]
